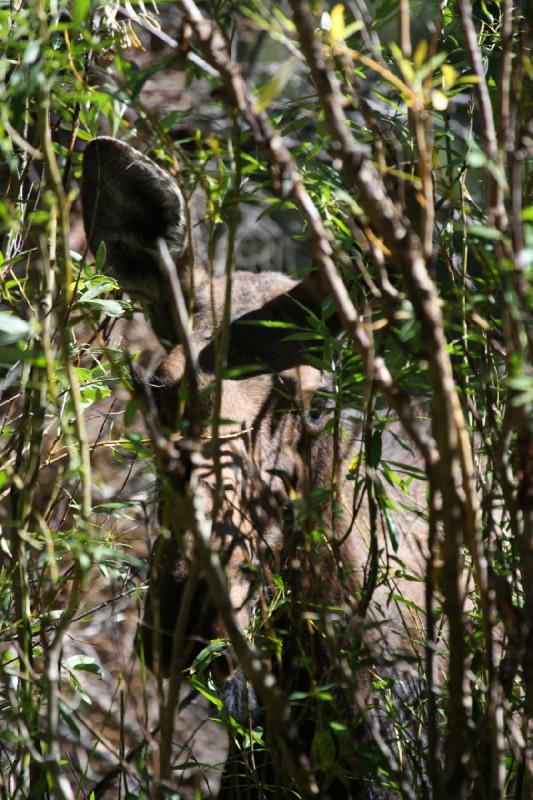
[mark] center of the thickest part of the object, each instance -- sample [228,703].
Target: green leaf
[208,655]
[100,257]
[338,727]
[392,529]
[298,696]
[374,456]
[31,54]
[113,308]
[323,748]
[432,65]
[130,411]
[209,694]
[80,10]
[286,23]
[399,598]
[476,158]
[66,714]
[97,286]
[269,323]
[83,664]
[484,232]
[12,328]
[275,85]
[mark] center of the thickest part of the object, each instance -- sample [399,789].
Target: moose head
[270,471]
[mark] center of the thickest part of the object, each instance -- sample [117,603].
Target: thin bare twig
[160,34]
[181,321]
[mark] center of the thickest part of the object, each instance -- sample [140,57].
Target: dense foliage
[436,251]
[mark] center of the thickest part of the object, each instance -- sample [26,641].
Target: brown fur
[273,448]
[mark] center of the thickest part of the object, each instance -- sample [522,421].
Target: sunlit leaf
[31,54]
[12,328]
[480,321]
[470,79]
[420,53]
[352,28]
[449,76]
[338,28]
[83,663]
[439,101]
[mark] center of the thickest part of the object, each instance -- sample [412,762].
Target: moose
[270,465]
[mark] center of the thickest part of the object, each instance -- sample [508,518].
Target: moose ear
[129,203]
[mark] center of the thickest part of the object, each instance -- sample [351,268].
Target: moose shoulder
[273,482]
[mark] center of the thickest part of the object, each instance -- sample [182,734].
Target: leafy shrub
[439,269]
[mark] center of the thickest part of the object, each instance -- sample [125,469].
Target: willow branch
[55,182]
[327,279]
[487,125]
[455,474]
[504,133]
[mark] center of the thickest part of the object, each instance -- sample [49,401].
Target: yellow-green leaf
[404,64]
[420,53]
[468,79]
[338,28]
[275,85]
[80,10]
[284,21]
[352,28]
[449,76]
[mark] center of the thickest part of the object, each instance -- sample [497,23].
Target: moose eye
[318,406]
[249,570]
[319,411]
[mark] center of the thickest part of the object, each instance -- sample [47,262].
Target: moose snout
[179,621]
